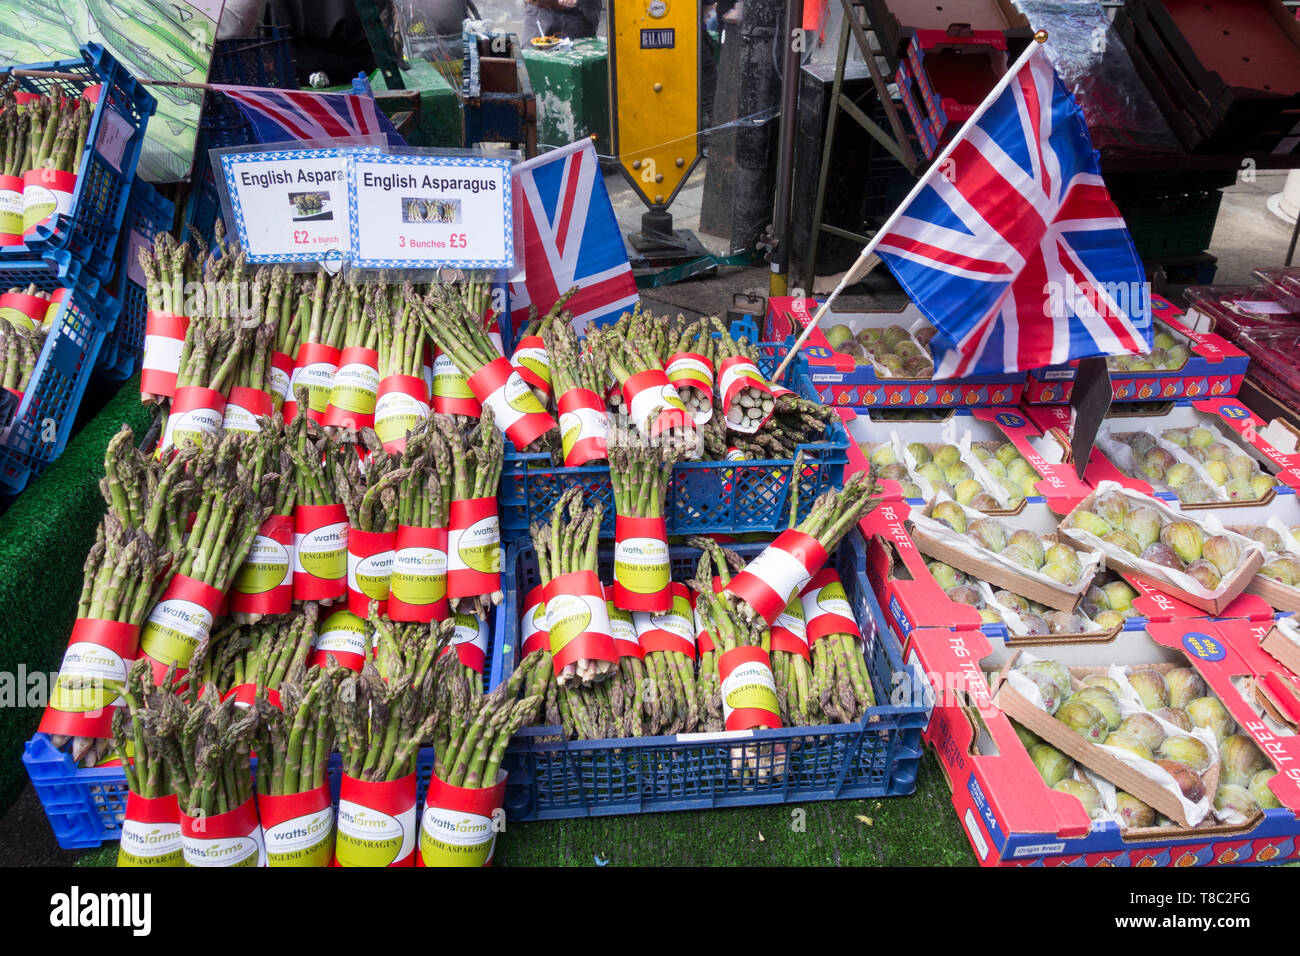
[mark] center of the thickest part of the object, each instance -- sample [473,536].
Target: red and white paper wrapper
[653,404]
[22,310]
[451,392]
[642,574]
[57,298]
[178,623]
[298,828]
[533,364]
[264,582]
[224,839]
[402,403]
[533,635]
[245,696]
[470,639]
[196,415]
[516,411]
[671,630]
[164,340]
[151,832]
[243,409]
[313,366]
[696,371]
[46,193]
[97,650]
[11,211]
[473,548]
[769,581]
[584,427]
[417,590]
[370,566]
[377,823]
[735,374]
[281,376]
[578,620]
[790,631]
[354,390]
[320,552]
[344,635]
[459,824]
[826,607]
[748,689]
[623,627]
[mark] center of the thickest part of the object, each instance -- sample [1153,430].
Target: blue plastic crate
[703,497]
[877,757]
[107,165]
[86,807]
[43,421]
[149,213]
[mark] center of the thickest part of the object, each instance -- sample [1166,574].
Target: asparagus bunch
[207,748]
[272,474]
[841,685]
[572,366]
[424,493]
[56,130]
[144,734]
[370,496]
[254,369]
[477,456]
[833,515]
[294,740]
[473,733]
[20,347]
[407,650]
[327,314]
[320,463]
[400,332]
[379,723]
[566,545]
[639,473]
[265,654]
[13,136]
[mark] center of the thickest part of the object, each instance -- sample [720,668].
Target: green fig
[966,490]
[1030,542]
[1107,683]
[1242,759]
[919,452]
[1018,470]
[1223,553]
[1259,789]
[1176,716]
[1027,737]
[1053,766]
[1270,539]
[1188,751]
[1034,624]
[1112,507]
[837,335]
[1054,671]
[1217,472]
[1231,798]
[883,455]
[1133,813]
[1019,557]
[1196,493]
[1200,437]
[993,467]
[989,616]
[1163,340]
[1150,687]
[983,454]
[1179,476]
[930,472]
[989,533]
[1217,451]
[1006,453]
[1205,573]
[985,502]
[1108,620]
[1239,490]
[957,472]
[895,472]
[951,514]
[1185,685]
[1177,357]
[947,455]
[1012,601]
[945,575]
[1084,792]
[1084,719]
[910,490]
[1209,712]
[1104,701]
[1063,554]
[1143,523]
[1123,540]
[1120,594]
[1242,467]
[1143,728]
[1261,485]
[1175,436]
[1284,570]
[1061,573]
[1090,522]
[1129,743]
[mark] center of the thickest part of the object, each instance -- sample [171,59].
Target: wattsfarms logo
[76,909]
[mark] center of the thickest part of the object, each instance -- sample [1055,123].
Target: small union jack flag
[1013,248]
[570,237]
[281,116]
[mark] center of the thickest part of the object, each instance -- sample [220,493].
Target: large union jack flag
[280,116]
[570,237]
[1013,248]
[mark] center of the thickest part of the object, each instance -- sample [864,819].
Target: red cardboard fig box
[1010,815]
[1002,434]
[1190,364]
[1271,447]
[841,378]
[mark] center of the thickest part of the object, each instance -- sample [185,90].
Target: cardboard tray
[1016,705]
[1282,649]
[969,559]
[1120,560]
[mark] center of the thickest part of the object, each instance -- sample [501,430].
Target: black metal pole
[778,282]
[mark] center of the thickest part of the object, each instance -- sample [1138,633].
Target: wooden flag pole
[859,267]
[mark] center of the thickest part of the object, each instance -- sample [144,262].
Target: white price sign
[430,212]
[290,205]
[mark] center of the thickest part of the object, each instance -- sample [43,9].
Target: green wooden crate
[571,84]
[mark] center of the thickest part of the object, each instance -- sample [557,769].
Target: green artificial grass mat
[920,830]
[44,537]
